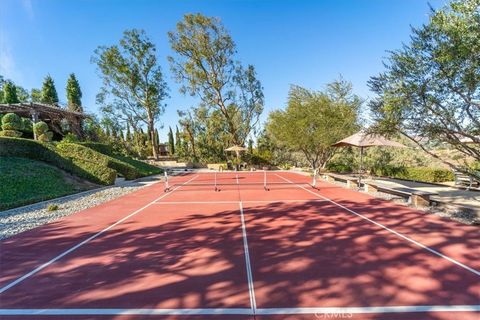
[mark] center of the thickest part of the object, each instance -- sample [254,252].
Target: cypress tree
[178,140]
[10,93]
[128,136]
[74,94]
[250,146]
[171,142]
[49,93]
[157,138]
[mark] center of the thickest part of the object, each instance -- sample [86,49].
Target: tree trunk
[151,127]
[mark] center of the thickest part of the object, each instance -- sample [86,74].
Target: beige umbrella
[236,149]
[363,140]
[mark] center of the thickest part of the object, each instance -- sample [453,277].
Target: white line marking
[476,272]
[243,201]
[96,235]
[384,309]
[243,311]
[251,289]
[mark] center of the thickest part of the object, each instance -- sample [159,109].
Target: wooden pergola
[51,114]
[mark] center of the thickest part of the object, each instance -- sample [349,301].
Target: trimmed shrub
[99,147]
[10,133]
[11,126]
[88,154]
[88,159]
[41,131]
[338,167]
[420,174]
[88,166]
[70,137]
[11,121]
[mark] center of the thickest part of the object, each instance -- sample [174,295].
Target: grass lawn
[24,181]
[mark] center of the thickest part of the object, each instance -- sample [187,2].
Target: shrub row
[77,151]
[425,174]
[420,174]
[84,163]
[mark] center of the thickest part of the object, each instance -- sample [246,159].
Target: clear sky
[307,43]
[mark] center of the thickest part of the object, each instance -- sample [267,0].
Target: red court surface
[243,252]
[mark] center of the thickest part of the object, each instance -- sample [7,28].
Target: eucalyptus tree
[133,85]
[204,63]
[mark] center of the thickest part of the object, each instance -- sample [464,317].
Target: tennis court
[246,245]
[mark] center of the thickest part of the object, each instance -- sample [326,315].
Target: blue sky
[307,43]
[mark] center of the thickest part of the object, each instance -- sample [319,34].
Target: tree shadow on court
[312,254]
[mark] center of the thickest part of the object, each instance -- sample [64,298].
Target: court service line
[244,311]
[476,272]
[78,245]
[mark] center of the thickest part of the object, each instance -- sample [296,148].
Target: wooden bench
[416,197]
[464,180]
[352,182]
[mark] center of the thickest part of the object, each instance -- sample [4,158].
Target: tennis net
[217,179]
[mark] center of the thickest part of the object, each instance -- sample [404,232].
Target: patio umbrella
[363,140]
[236,149]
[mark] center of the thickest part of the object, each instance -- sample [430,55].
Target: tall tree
[49,93]
[36,95]
[2,83]
[10,92]
[314,120]
[22,94]
[133,79]
[171,142]
[430,90]
[178,139]
[157,139]
[250,146]
[74,94]
[205,65]
[188,125]
[128,136]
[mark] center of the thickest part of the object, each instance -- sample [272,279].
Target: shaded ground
[308,252]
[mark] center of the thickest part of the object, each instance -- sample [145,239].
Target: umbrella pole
[361,169]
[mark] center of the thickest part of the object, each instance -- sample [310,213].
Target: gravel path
[17,220]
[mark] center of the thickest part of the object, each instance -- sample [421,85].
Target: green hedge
[143,168]
[417,174]
[99,147]
[420,174]
[84,163]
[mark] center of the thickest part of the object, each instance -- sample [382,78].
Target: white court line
[243,311]
[96,235]
[243,201]
[251,289]
[476,272]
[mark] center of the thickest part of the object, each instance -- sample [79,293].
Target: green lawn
[24,181]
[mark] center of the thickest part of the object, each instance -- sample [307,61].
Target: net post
[265,180]
[314,181]
[166,182]
[216,180]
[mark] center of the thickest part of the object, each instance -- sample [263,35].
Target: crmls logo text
[336,315]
